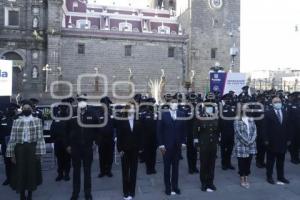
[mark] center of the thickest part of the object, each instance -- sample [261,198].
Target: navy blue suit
[172,134]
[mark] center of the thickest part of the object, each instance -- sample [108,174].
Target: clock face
[215,4]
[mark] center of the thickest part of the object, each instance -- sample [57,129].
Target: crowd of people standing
[264,126]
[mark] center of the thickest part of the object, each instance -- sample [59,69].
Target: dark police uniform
[106,144]
[191,151]
[227,136]
[207,133]
[149,141]
[5,130]
[261,147]
[294,118]
[58,131]
[81,139]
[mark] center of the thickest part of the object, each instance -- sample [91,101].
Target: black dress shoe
[168,192]
[196,171]
[177,191]
[295,161]
[284,180]
[149,172]
[59,178]
[203,188]
[191,171]
[109,174]
[212,187]
[67,178]
[271,180]
[231,167]
[88,197]
[224,167]
[29,198]
[74,197]
[6,182]
[260,165]
[101,175]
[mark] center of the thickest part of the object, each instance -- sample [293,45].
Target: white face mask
[173,106]
[82,104]
[131,110]
[209,110]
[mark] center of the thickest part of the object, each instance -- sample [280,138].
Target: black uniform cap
[68,100]
[106,100]
[81,97]
[34,101]
[26,102]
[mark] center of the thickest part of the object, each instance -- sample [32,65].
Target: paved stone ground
[152,188]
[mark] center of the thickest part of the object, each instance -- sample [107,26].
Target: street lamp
[233,53]
[216,68]
[46,69]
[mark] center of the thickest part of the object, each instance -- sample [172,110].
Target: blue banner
[217,82]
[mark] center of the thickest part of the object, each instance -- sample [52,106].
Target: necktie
[279,116]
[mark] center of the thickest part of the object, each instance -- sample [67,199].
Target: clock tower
[213,27]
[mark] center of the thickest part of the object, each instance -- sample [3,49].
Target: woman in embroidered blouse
[245,146]
[25,147]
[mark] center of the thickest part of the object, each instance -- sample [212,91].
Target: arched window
[83,24]
[164,29]
[125,26]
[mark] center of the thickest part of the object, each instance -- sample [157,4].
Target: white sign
[234,82]
[6,77]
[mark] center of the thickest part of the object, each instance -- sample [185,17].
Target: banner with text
[6,77]
[224,82]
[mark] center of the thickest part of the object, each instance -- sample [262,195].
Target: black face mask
[26,112]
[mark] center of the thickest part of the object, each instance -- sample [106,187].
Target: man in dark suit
[171,135]
[105,140]
[129,144]
[80,145]
[277,139]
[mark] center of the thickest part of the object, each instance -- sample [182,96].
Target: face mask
[173,106]
[82,104]
[26,112]
[209,110]
[131,110]
[277,106]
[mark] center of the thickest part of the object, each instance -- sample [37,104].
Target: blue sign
[217,82]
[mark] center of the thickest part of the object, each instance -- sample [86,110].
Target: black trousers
[150,155]
[261,151]
[244,166]
[171,161]
[191,154]
[207,165]
[63,160]
[129,172]
[226,150]
[106,154]
[8,166]
[7,162]
[82,157]
[279,159]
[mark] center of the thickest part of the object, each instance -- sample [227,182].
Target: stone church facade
[59,40]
